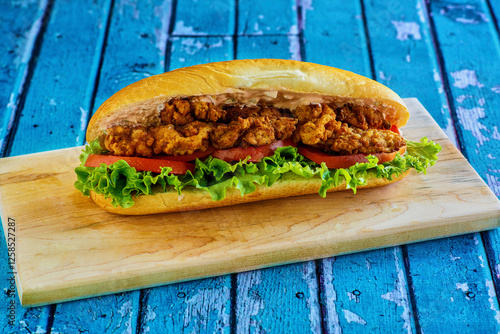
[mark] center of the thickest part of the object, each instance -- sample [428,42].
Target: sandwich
[239,131]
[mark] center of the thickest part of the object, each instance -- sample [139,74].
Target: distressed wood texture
[61,59]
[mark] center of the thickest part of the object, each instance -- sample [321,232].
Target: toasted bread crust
[195,199]
[255,74]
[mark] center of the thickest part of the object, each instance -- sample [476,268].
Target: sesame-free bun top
[227,77]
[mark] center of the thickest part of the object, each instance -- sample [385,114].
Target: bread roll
[282,83]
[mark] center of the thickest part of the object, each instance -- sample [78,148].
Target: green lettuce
[122,183]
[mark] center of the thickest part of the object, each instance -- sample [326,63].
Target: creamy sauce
[148,112]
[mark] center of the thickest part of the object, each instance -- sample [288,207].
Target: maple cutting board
[68,248]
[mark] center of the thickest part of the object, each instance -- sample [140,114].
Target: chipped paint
[126,312]
[294,47]
[181,29]
[353,317]
[383,77]
[464,287]
[405,30]
[305,6]
[469,118]
[253,302]
[150,315]
[400,295]
[465,78]
[467,14]
[495,134]
[461,98]
[161,33]
[494,183]
[84,116]
[331,295]
[309,275]
[493,299]
[496,89]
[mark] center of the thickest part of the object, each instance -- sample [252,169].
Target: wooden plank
[264,17]
[201,306]
[135,47]
[331,44]
[360,297]
[87,251]
[475,92]
[187,51]
[347,48]
[285,47]
[204,18]
[21,25]
[57,104]
[467,293]
[278,300]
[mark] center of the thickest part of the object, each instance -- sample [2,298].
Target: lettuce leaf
[122,183]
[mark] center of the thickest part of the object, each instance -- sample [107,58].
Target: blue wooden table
[61,59]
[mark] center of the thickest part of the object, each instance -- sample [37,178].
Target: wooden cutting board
[68,248]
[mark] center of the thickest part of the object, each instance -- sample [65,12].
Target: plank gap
[321,301]
[411,291]
[444,78]
[95,73]
[367,38]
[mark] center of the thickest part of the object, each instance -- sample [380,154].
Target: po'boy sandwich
[245,130]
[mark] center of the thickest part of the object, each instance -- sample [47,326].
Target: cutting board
[68,248]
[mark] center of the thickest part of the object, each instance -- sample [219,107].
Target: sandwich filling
[187,125]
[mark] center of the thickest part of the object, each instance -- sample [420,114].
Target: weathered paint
[367,290]
[201,306]
[453,269]
[264,18]
[260,294]
[400,33]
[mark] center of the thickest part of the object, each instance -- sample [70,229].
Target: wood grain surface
[68,248]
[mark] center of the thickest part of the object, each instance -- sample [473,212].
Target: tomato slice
[395,129]
[344,161]
[256,153]
[190,157]
[141,164]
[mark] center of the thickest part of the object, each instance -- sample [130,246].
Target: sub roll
[244,130]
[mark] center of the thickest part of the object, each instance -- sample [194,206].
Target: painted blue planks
[469,63]
[56,107]
[135,47]
[278,300]
[201,306]
[187,51]
[334,35]
[285,47]
[265,17]
[366,291]
[21,25]
[451,277]
[203,18]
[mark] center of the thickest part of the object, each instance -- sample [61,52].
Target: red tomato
[256,153]
[395,129]
[141,164]
[344,161]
